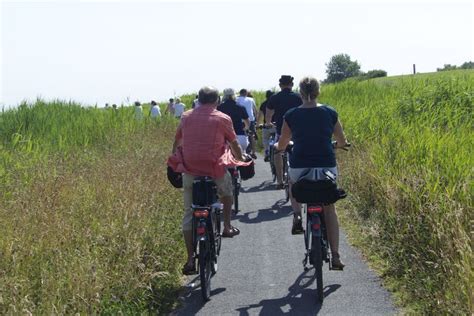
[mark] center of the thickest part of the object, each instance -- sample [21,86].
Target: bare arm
[269,115]
[285,137]
[246,124]
[236,150]
[339,135]
[260,117]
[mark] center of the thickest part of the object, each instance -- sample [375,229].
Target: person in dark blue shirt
[277,106]
[311,127]
[239,116]
[267,131]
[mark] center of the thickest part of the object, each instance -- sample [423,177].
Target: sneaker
[266,159]
[253,156]
[336,263]
[189,269]
[297,227]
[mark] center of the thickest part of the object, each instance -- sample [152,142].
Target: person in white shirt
[138,111]
[155,111]
[178,108]
[251,108]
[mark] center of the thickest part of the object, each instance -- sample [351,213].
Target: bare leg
[332,225]
[278,159]
[227,201]
[295,205]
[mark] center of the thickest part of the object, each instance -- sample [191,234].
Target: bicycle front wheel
[285,177]
[205,269]
[317,258]
[236,197]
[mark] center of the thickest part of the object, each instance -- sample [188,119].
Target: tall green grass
[88,221]
[410,181]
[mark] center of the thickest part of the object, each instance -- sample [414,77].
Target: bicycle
[314,195]
[236,184]
[270,153]
[206,230]
[286,166]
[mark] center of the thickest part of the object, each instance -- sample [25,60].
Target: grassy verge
[88,227]
[410,183]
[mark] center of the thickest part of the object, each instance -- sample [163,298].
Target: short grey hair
[208,94]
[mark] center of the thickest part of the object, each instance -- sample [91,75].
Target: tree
[447,67]
[467,65]
[340,67]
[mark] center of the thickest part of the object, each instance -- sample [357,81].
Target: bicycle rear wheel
[205,269]
[317,258]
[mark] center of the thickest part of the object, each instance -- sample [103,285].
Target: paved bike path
[260,271]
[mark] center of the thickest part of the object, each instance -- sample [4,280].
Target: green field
[89,223]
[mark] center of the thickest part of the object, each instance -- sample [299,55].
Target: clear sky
[114,51]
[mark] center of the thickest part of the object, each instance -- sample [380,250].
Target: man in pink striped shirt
[205,145]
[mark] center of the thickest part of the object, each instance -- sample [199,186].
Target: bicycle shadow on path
[273,213]
[300,299]
[264,186]
[191,294]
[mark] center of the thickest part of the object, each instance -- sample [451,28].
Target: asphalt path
[260,271]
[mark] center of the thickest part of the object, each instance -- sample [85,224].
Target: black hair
[269,93]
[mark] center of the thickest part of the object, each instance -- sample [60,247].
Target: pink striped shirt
[204,134]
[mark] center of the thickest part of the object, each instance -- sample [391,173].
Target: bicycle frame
[315,226]
[206,231]
[236,186]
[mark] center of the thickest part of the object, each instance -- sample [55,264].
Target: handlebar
[265,126]
[346,146]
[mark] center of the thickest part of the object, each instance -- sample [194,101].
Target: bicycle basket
[204,191]
[320,191]
[247,172]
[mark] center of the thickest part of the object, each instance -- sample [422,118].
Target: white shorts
[310,173]
[243,141]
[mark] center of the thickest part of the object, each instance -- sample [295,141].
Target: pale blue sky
[108,51]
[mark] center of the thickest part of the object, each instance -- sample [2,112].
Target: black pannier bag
[204,191]
[175,178]
[247,172]
[320,191]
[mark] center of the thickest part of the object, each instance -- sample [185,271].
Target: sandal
[231,233]
[189,269]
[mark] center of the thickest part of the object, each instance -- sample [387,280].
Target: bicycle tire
[308,235]
[205,269]
[218,237]
[236,196]
[285,177]
[316,254]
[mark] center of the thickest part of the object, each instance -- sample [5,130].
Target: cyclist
[170,107]
[155,110]
[249,105]
[178,108]
[266,132]
[138,110]
[277,106]
[238,114]
[205,145]
[311,127]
